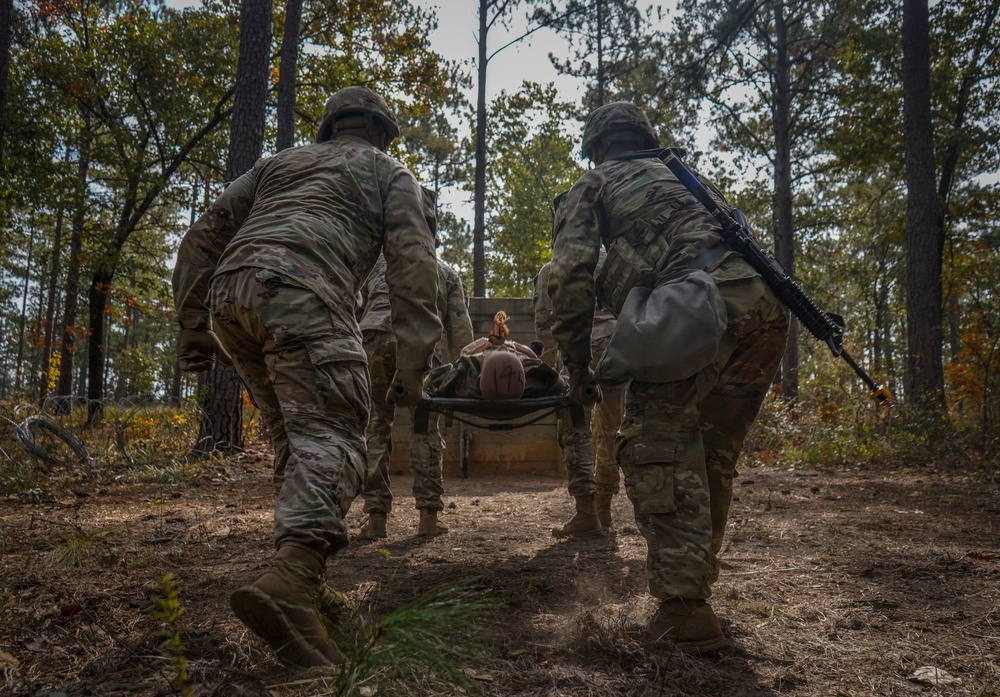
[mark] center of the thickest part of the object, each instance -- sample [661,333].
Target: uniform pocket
[649,477]
[342,376]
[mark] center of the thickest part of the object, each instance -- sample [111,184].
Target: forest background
[860,136]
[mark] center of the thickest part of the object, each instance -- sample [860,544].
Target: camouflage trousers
[607,419]
[588,452]
[307,374]
[679,443]
[425,448]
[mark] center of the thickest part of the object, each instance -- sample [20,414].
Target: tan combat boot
[584,524]
[690,625]
[602,505]
[280,608]
[375,527]
[429,523]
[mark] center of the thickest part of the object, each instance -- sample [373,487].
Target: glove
[195,350]
[407,388]
[582,388]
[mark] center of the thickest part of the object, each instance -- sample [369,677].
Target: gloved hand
[407,388]
[582,388]
[195,350]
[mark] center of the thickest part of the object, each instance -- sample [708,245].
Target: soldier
[679,441]
[588,452]
[274,267]
[425,448]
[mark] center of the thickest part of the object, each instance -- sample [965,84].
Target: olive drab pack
[666,333]
[632,261]
[669,328]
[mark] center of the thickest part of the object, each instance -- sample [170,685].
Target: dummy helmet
[617,121]
[502,376]
[356,107]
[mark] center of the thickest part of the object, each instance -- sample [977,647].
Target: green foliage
[606,42]
[169,612]
[456,245]
[377,43]
[420,643]
[117,120]
[139,440]
[818,434]
[619,55]
[534,161]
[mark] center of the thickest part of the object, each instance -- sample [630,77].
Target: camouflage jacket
[451,307]
[615,199]
[319,215]
[604,321]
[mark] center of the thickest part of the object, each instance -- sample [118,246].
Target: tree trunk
[38,331]
[601,78]
[479,190]
[19,365]
[6,20]
[784,237]
[287,75]
[50,305]
[121,383]
[924,242]
[67,346]
[222,406]
[97,302]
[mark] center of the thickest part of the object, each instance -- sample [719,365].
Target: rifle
[737,235]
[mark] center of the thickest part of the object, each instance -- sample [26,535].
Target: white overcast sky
[455,39]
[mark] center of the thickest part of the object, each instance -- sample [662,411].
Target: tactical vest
[636,256]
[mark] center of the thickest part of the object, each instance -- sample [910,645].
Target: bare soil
[836,582]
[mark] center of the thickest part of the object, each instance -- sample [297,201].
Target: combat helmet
[356,107]
[623,118]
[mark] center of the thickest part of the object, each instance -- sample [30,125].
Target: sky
[455,39]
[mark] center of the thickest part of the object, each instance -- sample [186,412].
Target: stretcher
[495,410]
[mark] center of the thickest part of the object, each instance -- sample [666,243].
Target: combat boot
[602,505]
[690,625]
[280,608]
[429,523]
[584,524]
[375,527]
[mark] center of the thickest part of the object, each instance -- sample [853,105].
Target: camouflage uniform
[286,249]
[679,441]
[425,448]
[588,452]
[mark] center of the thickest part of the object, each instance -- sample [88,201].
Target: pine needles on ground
[424,640]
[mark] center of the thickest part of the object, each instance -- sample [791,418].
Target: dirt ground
[836,582]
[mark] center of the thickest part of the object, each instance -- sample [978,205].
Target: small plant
[169,473]
[170,612]
[418,643]
[75,550]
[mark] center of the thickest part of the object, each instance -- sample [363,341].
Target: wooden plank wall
[497,450]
